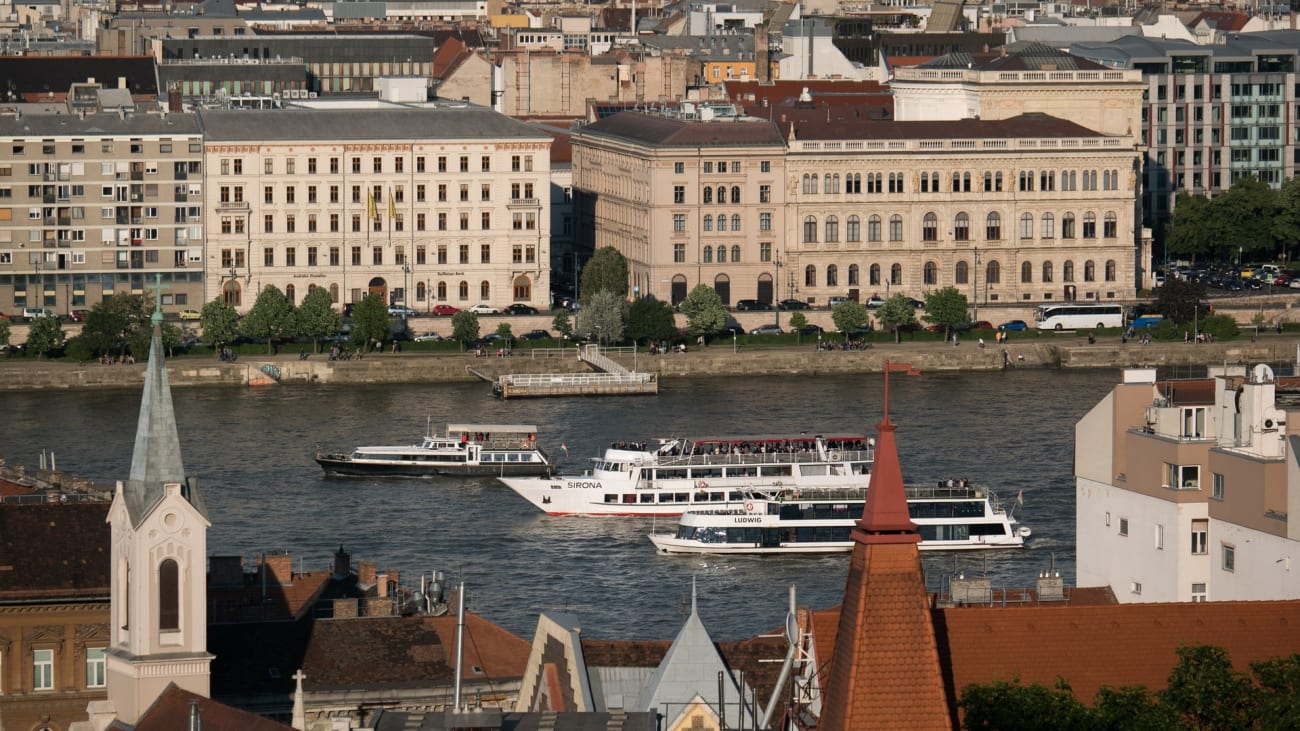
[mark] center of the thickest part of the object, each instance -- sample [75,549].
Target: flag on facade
[370,207]
[392,207]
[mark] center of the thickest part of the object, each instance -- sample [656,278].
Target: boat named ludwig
[819,520]
[670,476]
[466,449]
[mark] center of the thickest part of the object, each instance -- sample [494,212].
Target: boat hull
[668,543]
[334,467]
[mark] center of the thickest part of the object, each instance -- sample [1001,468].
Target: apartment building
[1024,210]
[1212,114]
[445,203]
[1184,488]
[95,204]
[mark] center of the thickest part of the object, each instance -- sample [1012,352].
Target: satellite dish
[791,629]
[1263,373]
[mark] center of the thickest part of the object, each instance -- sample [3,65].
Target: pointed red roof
[885,671]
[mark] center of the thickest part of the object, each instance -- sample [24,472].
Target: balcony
[525,203]
[232,207]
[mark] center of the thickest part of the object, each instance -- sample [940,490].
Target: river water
[252,450]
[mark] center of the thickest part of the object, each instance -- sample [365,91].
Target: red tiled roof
[1221,19]
[171,711]
[449,56]
[37,559]
[253,602]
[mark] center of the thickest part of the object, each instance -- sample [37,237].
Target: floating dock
[614,380]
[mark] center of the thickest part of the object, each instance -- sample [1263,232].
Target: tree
[946,308]
[650,319]
[1208,693]
[1286,226]
[704,311]
[4,334]
[562,323]
[797,323]
[142,338]
[895,313]
[110,325]
[45,336]
[1132,708]
[1247,209]
[270,317]
[602,317]
[606,271]
[1177,299]
[370,321]
[315,318]
[849,316]
[1221,327]
[464,328]
[1194,228]
[1003,705]
[506,333]
[1279,692]
[220,323]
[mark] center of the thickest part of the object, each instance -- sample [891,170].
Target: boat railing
[746,458]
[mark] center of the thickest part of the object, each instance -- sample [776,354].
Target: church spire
[884,671]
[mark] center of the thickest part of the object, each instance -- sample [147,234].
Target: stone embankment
[719,360]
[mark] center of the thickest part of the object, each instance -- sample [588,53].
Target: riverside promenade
[716,361]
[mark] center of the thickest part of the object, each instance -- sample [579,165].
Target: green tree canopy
[1208,692]
[1195,229]
[946,308]
[606,271]
[220,323]
[849,316]
[315,318]
[650,319]
[1247,210]
[1177,299]
[704,310]
[111,323]
[896,312]
[797,322]
[506,333]
[1279,689]
[142,339]
[270,317]
[464,328]
[45,336]
[602,317]
[371,323]
[562,323]
[4,334]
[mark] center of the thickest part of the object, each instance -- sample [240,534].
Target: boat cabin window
[742,471]
[808,470]
[703,472]
[776,470]
[735,495]
[669,474]
[648,497]
[681,497]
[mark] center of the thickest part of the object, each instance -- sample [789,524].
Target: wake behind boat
[465,450]
[670,476]
[819,520]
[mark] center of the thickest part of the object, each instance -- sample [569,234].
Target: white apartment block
[1185,487]
[1018,211]
[441,204]
[97,204]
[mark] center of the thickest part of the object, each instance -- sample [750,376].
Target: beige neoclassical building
[1022,211]
[423,205]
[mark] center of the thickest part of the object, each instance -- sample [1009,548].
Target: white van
[31,313]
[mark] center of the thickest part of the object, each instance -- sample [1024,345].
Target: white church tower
[159,555]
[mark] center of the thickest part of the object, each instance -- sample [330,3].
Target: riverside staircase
[612,380]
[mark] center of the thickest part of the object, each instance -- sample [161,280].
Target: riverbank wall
[716,361]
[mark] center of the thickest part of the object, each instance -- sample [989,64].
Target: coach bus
[1074,316]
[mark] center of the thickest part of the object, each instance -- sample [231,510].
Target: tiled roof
[171,711]
[1024,126]
[1095,646]
[40,559]
[667,132]
[1221,20]
[255,602]
[754,656]
[448,58]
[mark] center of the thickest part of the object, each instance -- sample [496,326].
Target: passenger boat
[466,449]
[670,476]
[785,520]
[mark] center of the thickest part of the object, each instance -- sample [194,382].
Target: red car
[445,310]
[78,315]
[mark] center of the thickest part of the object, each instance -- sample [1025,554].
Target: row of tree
[1203,692]
[1250,221]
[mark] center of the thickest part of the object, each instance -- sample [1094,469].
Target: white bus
[1072,316]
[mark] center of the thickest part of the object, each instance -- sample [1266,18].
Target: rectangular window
[679,224]
[1182,477]
[1200,536]
[1198,593]
[95,672]
[679,253]
[1123,526]
[679,194]
[42,669]
[1160,537]
[1229,558]
[1217,486]
[312,256]
[464,253]
[679,167]
[1193,426]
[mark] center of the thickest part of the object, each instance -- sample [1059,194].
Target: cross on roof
[157,317]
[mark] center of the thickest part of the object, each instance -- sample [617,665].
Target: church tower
[884,671]
[159,561]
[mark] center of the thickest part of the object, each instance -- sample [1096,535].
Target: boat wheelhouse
[667,477]
[464,450]
[820,520]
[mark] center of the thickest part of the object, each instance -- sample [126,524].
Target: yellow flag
[370,207]
[392,207]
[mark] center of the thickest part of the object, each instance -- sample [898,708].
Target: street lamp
[406,284]
[776,293]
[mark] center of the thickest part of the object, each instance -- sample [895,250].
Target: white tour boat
[671,476]
[818,520]
[466,449]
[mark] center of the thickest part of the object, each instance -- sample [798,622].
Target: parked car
[428,338]
[535,335]
[752,305]
[793,305]
[79,315]
[917,304]
[186,315]
[769,329]
[445,310]
[401,311]
[520,308]
[976,325]
[811,329]
[830,303]
[1013,325]
[484,308]
[875,301]
[31,313]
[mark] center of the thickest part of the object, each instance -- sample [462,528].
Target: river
[252,450]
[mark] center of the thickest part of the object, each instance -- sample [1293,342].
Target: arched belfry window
[169,596]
